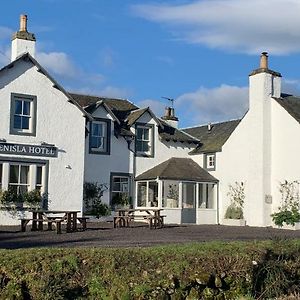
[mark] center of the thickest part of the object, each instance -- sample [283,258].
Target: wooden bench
[121,221]
[82,221]
[37,224]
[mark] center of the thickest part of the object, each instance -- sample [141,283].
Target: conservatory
[186,192]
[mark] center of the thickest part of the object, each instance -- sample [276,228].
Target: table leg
[34,223]
[69,222]
[74,221]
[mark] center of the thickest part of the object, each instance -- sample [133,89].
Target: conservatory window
[170,194]
[147,194]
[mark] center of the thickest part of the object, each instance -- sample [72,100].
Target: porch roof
[183,169]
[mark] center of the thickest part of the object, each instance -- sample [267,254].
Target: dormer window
[144,140]
[210,161]
[23,114]
[100,137]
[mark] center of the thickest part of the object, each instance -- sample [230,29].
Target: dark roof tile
[212,140]
[178,169]
[291,104]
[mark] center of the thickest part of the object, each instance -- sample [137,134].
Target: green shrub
[193,271]
[233,212]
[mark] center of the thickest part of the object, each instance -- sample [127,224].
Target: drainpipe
[218,211]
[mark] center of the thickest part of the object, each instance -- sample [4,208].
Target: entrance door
[188,213]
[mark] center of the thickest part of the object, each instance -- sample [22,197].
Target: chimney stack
[22,41]
[23,23]
[264,60]
[169,117]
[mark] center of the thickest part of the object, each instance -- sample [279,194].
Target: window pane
[142,194]
[13,174]
[39,172]
[95,129]
[26,108]
[17,122]
[145,146]
[188,195]
[170,194]
[25,123]
[24,175]
[139,146]
[139,133]
[210,196]
[146,134]
[153,194]
[18,107]
[201,202]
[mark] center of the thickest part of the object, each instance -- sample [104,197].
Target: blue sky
[198,52]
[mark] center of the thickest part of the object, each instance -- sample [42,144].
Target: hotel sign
[29,150]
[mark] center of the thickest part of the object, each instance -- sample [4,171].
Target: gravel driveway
[102,234]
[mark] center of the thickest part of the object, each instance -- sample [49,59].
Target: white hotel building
[55,140]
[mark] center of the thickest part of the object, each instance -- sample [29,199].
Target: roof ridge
[216,123]
[102,97]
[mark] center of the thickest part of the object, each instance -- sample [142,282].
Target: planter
[234,222]
[290,227]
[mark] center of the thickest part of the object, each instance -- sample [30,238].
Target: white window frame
[19,184]
[210,161]
[6,163]
[148,203]
[121,190]
[32,114]
[104,135]
[149,141]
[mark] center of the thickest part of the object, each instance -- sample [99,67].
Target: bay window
[147,194]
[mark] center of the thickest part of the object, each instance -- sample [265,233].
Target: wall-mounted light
[68,167]
[47,144]
[2,140]
[129,139]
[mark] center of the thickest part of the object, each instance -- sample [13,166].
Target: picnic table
[153,216]
[57,217]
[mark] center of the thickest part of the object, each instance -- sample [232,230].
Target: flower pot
[234,222]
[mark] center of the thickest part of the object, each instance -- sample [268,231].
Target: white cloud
[235,25]
[210,105]
[5,32]
[58,63]
[157,107]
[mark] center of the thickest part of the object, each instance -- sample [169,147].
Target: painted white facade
[58,122]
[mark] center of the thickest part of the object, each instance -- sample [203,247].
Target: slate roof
[127,114]
[291,104]
[212,140]
[178,169]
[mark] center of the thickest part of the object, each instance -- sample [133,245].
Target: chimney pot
[264,60]
[23,23]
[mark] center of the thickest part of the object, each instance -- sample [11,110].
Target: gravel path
[104,235]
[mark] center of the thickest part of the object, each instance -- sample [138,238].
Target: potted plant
[121,201]
[33,199]
[92,199]
[10,199]
[234,213]
[288,215]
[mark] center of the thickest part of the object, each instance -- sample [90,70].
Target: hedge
[263,270]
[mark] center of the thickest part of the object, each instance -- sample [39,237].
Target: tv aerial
[171,100]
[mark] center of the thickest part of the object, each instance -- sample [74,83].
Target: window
[170,194]
[23,114]
[39,178]
[210,161]
[147,195]
[144,140]
[1,166]
[206,195]
[19,178]
[99,137]
[120,189]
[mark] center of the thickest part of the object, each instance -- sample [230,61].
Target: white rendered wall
[163,150]
[285,151]
[58,122]
[247,156]
[98,167]
[20,46]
